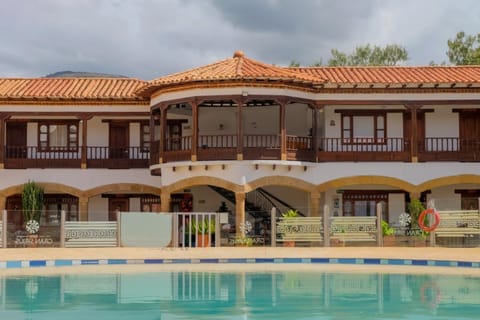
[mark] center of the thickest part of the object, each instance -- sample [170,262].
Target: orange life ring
[421,219]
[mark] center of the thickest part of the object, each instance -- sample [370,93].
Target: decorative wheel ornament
[32,226]
[246,227]
[404,219]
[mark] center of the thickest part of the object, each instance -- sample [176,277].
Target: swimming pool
[277,295]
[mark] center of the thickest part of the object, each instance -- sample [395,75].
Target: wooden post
[218,237]
[326,226]
[193,152]
[379,225]
[283,132]
[62,229]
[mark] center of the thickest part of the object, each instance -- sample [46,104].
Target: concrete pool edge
[21,258]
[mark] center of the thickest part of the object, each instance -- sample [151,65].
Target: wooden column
[239,213]
[283,131]
[82,208]
[163,132]
[315,141]
[315,204]
[165,202]
[3,118]
[414,131]
[239,130]
[84,118]
[194,130]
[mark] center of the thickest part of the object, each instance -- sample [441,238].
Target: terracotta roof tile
[237,68]
[394,75]
[71,88]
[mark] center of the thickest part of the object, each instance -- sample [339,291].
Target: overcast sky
[147,39]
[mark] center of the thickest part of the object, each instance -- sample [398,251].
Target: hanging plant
[32,205]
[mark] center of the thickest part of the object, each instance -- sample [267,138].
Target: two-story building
[246,133]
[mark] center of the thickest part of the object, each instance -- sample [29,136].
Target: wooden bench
[358,229]
[458,224]
[300,229]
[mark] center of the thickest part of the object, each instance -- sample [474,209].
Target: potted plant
[388,233]
[286,226]
[32,205]
[243,241]
[415,208]
[204,229]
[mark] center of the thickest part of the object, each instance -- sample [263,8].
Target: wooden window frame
[145,143]
[347,133]
[71,146]
[365,195]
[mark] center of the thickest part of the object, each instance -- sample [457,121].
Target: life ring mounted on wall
[436,219]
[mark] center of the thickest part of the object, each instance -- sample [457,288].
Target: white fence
[90,234]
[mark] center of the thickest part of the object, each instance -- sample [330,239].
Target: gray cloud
[150,38]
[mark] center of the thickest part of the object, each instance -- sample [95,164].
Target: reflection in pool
[240,295]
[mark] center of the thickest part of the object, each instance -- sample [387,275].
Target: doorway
[116,205]
[119,140]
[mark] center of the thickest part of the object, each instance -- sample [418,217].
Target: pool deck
[436,253]
[21,258]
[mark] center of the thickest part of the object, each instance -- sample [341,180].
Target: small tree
[415,208]
[32,204]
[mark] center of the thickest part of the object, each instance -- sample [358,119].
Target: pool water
[240,295]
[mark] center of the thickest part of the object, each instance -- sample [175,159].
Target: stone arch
[280,181]
[48,187]
[446,181]
[122,187]
[372,180]
[202,180]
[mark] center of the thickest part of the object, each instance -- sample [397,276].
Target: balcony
[255,147]
[96,157]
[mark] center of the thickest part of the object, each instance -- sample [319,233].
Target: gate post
[326,226]
[4,229]
[62,229]
[379,226]
[273,227]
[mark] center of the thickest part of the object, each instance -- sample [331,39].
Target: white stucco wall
[442,123]
[97,208]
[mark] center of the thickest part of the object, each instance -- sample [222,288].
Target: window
[58,136]
[364,128]
[363,203]
[145,137]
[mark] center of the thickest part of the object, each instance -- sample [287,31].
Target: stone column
[165,202]
[82,209]
[240,213]
[315,204]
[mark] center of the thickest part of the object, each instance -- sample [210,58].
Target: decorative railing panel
[298,229]
[90,234]
[353,228]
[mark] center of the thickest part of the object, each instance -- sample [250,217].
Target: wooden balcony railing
[225,147]
[117,157]
[449,149]
[97,157]
[34,157]
[364,149]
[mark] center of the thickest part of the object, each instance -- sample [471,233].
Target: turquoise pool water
[247,295]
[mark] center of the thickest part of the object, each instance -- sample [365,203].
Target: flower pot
[389,241]
[289,243]
[203,240]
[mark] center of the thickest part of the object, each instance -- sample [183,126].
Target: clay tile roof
[396,75]
[70,89]
[237,68]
